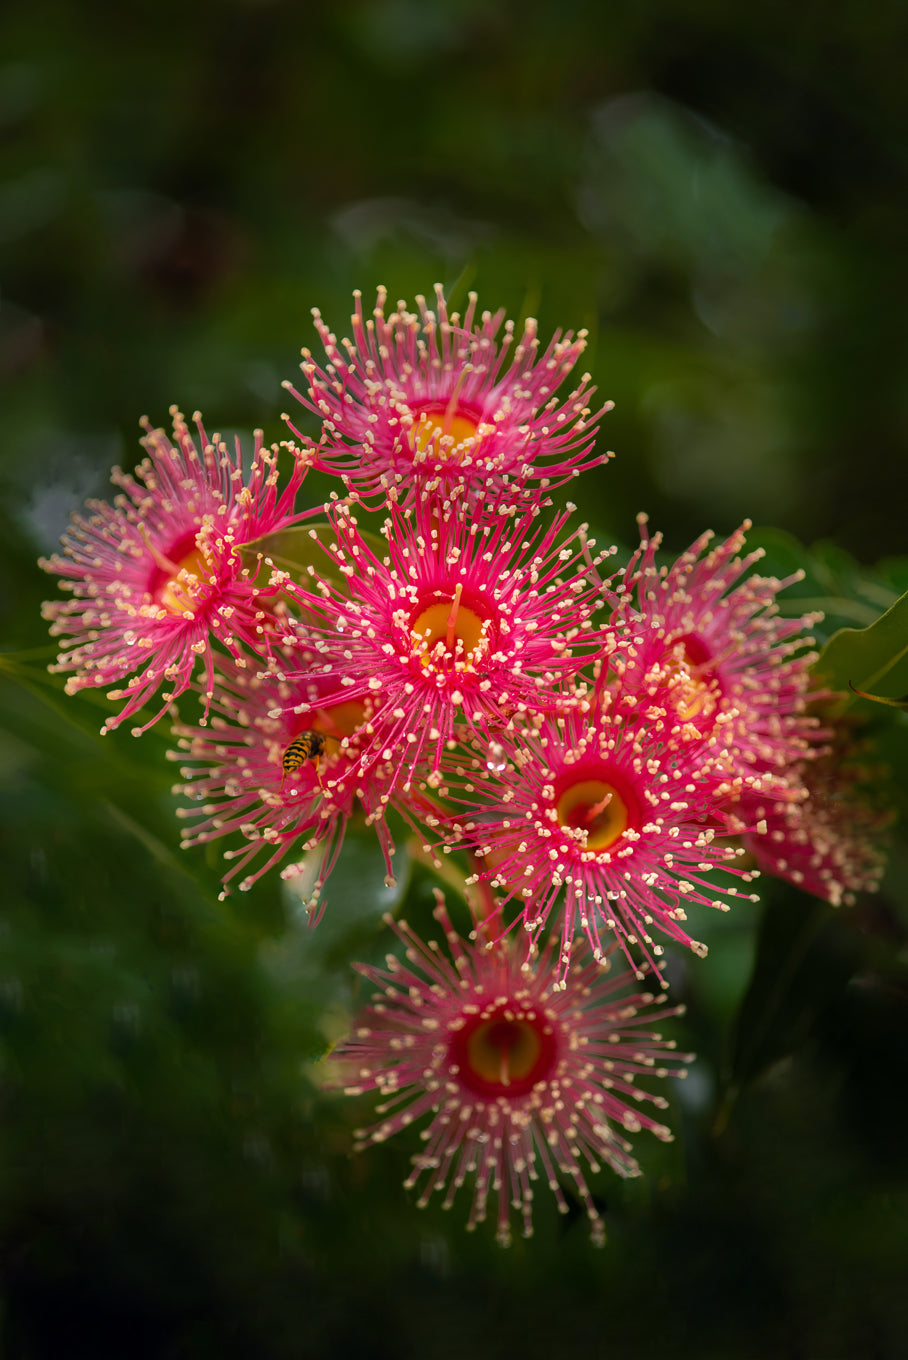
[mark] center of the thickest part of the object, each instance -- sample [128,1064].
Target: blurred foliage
[718,194]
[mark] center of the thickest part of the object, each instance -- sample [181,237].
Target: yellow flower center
[316,743]
[448,631]
[686,669]
[175,594]
[596,807]
[340,720]
[444,433]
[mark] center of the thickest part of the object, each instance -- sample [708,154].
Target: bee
[306,746]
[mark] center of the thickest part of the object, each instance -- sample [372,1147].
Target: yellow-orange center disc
[173,595]
[458,628]
[340,720]
[596,807]
[444,433]
[693,694]
[333,724]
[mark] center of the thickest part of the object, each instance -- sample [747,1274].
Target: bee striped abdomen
[307,746]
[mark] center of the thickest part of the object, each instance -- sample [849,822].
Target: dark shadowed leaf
[806,952]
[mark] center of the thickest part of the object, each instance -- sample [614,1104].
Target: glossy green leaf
[303,546]
[295,550]
[865,658]
[879,698]
[832,582]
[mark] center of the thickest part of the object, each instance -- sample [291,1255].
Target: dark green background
[718,193]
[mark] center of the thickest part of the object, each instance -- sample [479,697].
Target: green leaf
[805,955]
[833,582]
[879,699]
[306,545]
[862,658]
[295,550]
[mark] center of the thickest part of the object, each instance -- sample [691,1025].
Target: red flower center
[597,809]
[505,1049]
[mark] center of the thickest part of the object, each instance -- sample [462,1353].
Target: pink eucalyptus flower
[285,783]
[158,575]
[459,622]
[425,403]
[825,838]
[711,636]
[612,808]
[519,1080]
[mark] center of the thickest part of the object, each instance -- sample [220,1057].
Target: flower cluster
[598,752]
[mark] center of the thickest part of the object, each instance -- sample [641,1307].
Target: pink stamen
[159,559]
[452,617]
[451,408]
[594,811]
